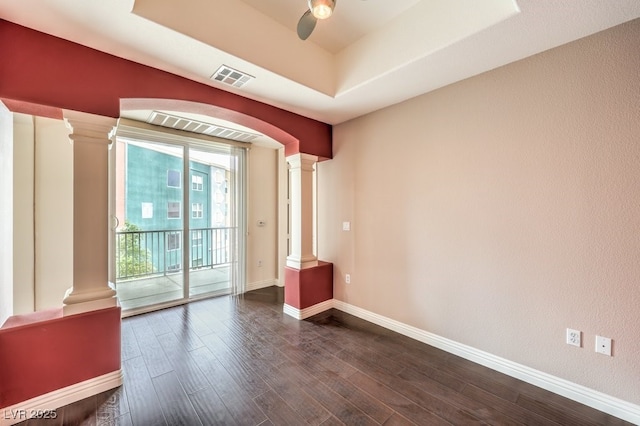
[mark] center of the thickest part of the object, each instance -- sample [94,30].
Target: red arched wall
[47,71]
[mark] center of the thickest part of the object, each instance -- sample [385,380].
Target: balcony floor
[141,292]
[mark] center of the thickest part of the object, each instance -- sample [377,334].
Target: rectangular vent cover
[231,77]
[194,126]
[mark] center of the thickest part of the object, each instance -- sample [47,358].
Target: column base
[302,263]
[307,287]
[301,314]
[93,305]
[78,302]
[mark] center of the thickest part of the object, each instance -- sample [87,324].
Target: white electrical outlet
[574,337]
[347,278]
[603,345]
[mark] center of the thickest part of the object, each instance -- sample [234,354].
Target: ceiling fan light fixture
[321,9]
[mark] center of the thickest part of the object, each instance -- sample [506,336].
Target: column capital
[302,161]
[302,262]
[87,127]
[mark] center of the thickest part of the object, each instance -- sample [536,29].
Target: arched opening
[161,258]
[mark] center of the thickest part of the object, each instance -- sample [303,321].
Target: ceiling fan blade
[306,24]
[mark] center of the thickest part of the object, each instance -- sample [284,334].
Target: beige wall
[262,241]
[23,213]
[43,205]
[53,212]
[498,211]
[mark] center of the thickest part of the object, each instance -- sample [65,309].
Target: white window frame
[169,210]
[196,238]
[197,210]
[146,210]
[179,178]
[174,268]
[175,238]
[197,182]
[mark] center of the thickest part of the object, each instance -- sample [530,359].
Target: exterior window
[173,241]
[196,251]
[174,267]
[173,210]
[196,238]
[173,178]
[147,210]
[196,210]
[219,197]
[196,183]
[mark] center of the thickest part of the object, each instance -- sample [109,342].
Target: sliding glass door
[179,209]
[216,227]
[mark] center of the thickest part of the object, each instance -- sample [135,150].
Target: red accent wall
[308,287]
[44,70]
[46,355]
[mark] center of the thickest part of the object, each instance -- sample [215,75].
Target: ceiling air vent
[231,77]
[194,126]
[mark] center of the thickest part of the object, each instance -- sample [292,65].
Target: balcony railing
[147,253]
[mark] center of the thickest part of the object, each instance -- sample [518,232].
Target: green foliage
[133,258]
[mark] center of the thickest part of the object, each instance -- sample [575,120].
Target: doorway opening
[180,219]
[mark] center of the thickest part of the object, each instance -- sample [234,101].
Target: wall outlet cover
[574,337]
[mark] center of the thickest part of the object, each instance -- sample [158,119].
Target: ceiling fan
[318,9]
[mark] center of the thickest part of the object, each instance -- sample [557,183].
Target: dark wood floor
[240,361]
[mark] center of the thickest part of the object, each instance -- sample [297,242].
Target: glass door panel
[149,238]
[211,222]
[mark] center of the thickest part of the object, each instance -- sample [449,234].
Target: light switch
[346,226]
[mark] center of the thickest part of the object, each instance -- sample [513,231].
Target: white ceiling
[354,19]
[368,55]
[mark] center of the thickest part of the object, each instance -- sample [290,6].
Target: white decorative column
[6,213]
[301,204]
[90,138]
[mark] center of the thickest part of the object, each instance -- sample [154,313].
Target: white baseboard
[59,398]
[589,397]
[592,398]
[260,284]
[307,312]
